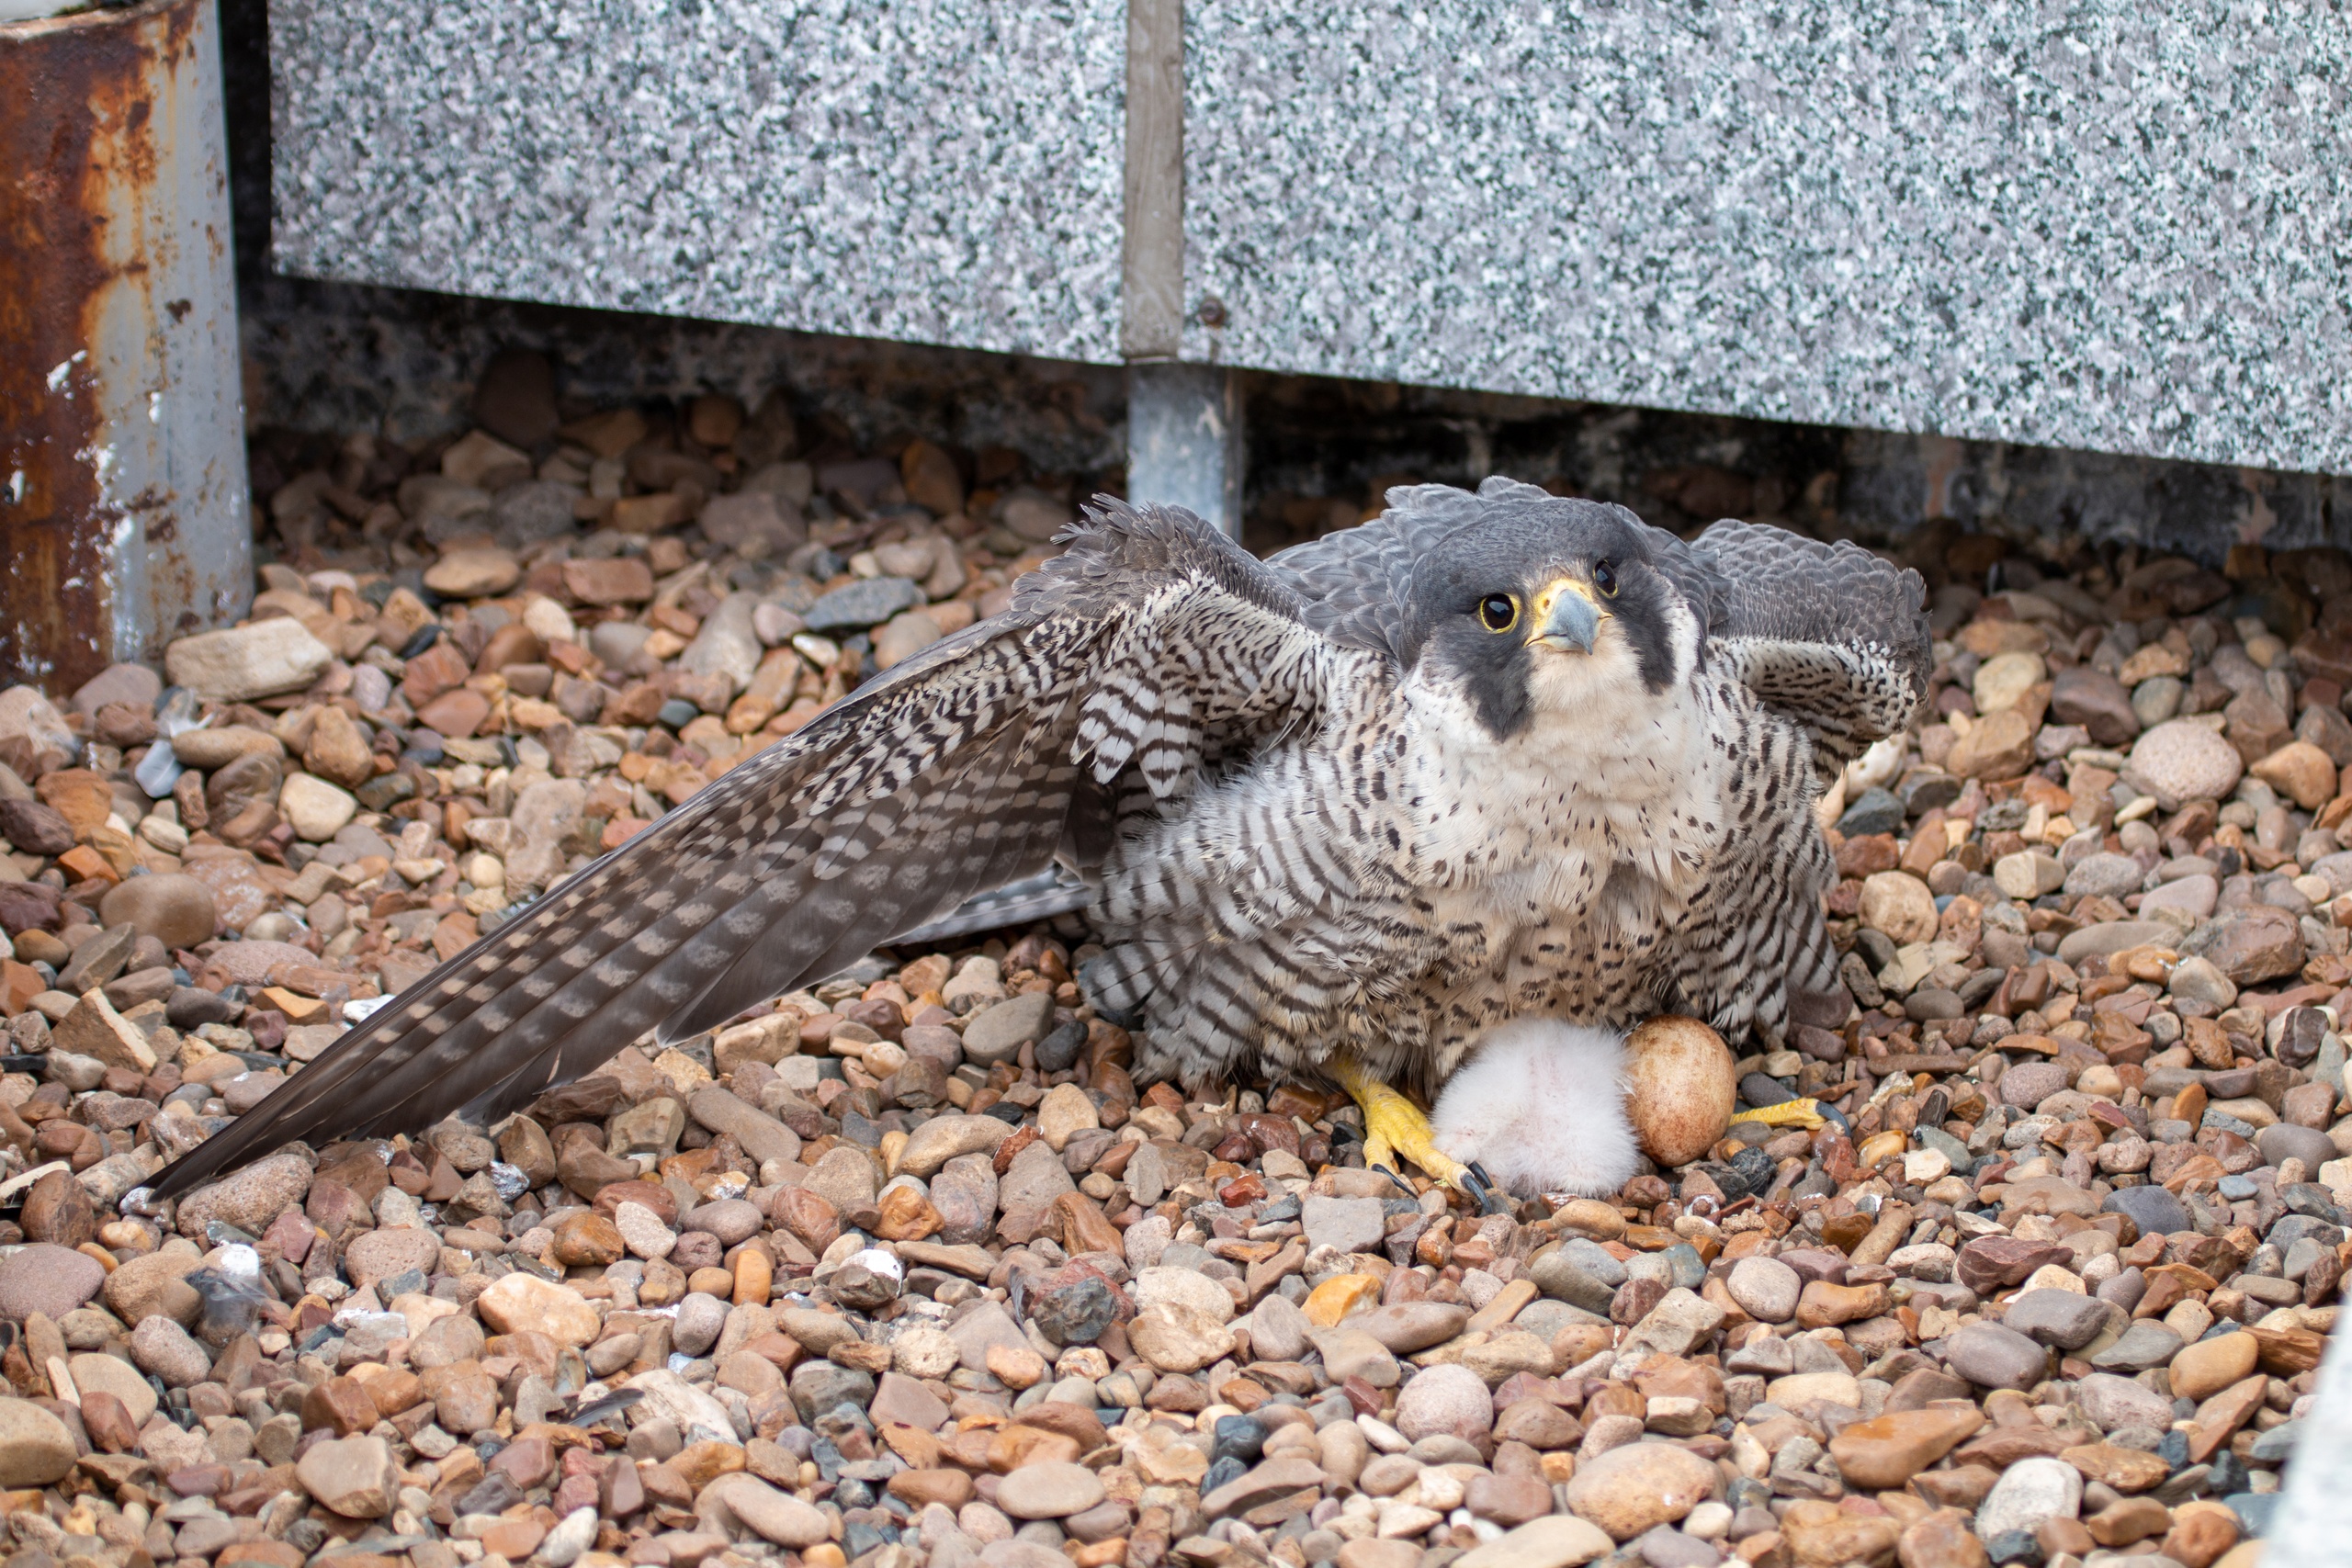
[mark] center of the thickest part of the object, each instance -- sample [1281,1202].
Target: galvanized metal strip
[1184,439]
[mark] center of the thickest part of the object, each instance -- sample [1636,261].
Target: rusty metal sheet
[124,514]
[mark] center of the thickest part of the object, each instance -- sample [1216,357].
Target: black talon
[1482,1188]
[1397,1176]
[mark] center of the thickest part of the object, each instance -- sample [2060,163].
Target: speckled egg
[1680,1088]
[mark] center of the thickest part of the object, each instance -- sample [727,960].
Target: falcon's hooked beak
[1566,616]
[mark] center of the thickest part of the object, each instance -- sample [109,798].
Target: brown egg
[1680,1088]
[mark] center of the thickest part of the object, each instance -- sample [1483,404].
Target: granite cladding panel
[2098,225]
[942,173]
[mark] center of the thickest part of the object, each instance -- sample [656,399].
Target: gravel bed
[907,1269]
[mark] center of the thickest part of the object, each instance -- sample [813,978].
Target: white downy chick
[1540,1105]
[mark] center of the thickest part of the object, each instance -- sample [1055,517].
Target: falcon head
[1538,605]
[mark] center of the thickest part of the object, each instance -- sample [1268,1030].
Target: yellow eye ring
[1499,612]
[1604,578]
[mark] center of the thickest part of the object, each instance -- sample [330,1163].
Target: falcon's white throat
[1606,772]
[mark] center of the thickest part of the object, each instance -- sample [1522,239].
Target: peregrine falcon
[1492,760]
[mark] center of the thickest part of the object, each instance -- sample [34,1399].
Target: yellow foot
[1394,1126]
[1806,1113]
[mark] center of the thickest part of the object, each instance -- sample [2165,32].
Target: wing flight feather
[1828,633]
[1152,640]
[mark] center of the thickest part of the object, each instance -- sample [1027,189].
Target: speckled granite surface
[2093,225]
[944,172]
[2096,224]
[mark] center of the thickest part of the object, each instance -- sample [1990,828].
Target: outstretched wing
[1152,642]
[1827,632]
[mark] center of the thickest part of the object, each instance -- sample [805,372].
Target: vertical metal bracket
[125,520]
[1184,439]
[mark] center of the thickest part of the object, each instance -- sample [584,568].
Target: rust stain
[1940,458]
[77,102]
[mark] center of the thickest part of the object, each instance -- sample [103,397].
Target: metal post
[1184,439]
[124,516]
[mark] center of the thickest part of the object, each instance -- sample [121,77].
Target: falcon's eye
[1498,612]
[1604,578]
